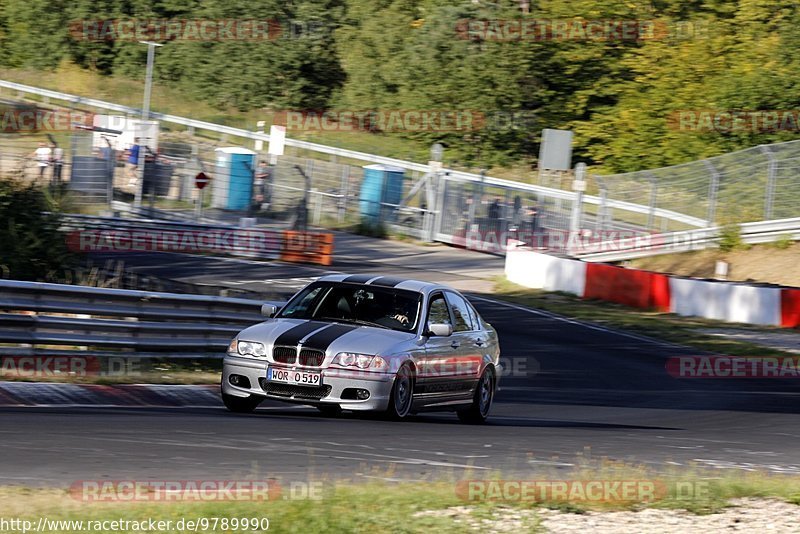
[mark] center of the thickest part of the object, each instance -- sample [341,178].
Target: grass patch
[664,326]
[343,506]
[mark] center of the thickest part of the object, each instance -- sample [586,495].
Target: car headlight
[359,361]
[248,348]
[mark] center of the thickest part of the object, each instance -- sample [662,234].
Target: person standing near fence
[42,157]
[533,217]
[262,186]
[133,163]
[57,159]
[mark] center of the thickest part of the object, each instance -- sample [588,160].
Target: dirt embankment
[761,263]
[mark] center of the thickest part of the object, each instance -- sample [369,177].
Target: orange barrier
[790,308]
[307,247]
[640,289]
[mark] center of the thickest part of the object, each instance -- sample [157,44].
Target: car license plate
[291,376]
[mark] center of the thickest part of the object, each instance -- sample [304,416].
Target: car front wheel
[241,404]
[330,410]
[478,411]
[402,394]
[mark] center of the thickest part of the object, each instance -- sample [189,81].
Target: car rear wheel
[402,395]
[482,400]
[241,404]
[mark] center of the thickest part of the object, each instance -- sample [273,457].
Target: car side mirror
[440,329]
[268,310]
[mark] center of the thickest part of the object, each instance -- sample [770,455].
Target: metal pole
[713,191]
[653,197]
[772,171]
[344,192]
[579,186]
[602,212]
[438,214]
[198,210]
[148,83]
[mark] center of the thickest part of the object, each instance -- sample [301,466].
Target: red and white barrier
[790,308]
[734,303]
[542,271]
[640,289]
[723,301]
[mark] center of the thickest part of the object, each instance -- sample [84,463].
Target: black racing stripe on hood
[359,278]
[292,337]
[387,281]
[324,338]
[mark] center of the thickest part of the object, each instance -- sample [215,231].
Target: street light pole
[148,86]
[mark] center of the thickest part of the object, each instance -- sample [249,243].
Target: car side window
[460,312]
[301,308]
[474,317]
[437,310]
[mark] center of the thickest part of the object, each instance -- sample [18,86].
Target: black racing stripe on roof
[359,278]
[324,338]
[387,281]
[292,337]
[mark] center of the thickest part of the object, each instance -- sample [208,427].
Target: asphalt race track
[579,393]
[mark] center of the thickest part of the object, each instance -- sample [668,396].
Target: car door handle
[455,344]
[479,342]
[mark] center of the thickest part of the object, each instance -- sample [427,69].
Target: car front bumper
[334,384]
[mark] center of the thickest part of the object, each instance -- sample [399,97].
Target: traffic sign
[201,180]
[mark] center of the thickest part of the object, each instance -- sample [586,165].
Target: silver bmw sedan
[371,343]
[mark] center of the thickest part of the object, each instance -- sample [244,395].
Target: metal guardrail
[751,233]
[89,321]
[362,156]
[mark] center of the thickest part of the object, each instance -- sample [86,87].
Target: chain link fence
[302,188]
[758,183]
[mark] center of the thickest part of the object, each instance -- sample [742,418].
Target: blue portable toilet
[382,184]
[233,181]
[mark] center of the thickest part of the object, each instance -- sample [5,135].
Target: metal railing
[544,195]
[54,320]
[481,211]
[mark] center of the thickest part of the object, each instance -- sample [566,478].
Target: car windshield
[383,307]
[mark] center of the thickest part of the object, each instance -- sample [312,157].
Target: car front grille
[296,392]
[284,354]
[311,358]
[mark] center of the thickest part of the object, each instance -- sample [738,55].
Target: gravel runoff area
[743,515]
[788,341]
